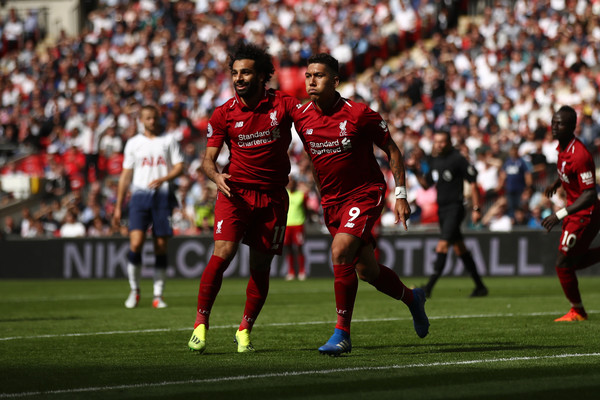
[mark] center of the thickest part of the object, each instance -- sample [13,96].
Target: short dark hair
[326,59]
[262,60]
[445,133]
[571,115]
[151,107]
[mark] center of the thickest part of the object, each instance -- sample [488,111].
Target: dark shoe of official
[479,292]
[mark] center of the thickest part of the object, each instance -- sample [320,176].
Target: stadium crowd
[68,105]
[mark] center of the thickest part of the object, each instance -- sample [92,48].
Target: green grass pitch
[75,340]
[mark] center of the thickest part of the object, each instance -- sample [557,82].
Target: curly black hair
[262,60]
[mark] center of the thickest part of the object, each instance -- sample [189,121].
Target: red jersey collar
[264,99]
[569,146]
[337,103]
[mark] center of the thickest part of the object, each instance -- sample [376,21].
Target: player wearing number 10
[581,216]
[338,135]
[252,201]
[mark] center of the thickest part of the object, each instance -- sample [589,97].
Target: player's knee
[442,247]
[340,254]
[225,250]
[564,263]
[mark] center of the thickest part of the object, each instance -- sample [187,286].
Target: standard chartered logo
[330,146]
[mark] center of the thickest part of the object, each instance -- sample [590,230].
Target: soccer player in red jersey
[581,216]
[252,201]
[338,135]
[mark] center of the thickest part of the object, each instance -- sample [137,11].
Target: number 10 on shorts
[568,239]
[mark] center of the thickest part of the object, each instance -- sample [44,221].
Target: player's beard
[248,91]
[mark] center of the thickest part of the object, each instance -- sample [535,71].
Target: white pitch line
[367,320]
[34,299]
[292,374]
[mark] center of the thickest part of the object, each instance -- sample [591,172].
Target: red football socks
[290,262]
[345,287]
[256,295]
[210,284]
[569,283]
[389,283]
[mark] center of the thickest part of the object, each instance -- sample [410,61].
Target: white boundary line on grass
[5,339]
[293,373]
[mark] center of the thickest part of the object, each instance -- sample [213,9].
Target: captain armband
[400,192]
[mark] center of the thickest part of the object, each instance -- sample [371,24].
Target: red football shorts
[357,216]
[257,218]
[294,235]
[578,234]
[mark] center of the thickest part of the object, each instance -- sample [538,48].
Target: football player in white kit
[151,161]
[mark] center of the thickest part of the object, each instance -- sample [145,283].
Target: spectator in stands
[56,183]
[98,228]
[515,177]
[27,223]
[71,227]
[88,142]
[13,31]
[535,221]
[10,229]
[496,218]
[50,225]
[58,210]
[5,197]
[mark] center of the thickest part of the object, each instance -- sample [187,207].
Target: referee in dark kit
[448,170]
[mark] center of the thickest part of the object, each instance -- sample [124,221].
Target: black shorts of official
[451,217]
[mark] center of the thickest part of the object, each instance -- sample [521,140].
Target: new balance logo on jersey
[349,225]
[587,178]
[219,226]
[309,131]
[343,128]
[239,124]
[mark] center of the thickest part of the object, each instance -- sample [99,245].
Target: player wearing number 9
[581,216]
[338,134]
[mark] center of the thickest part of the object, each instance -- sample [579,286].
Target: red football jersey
[258,139]
[340,145]
[577,172]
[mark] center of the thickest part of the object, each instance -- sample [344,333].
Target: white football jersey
[150,159]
